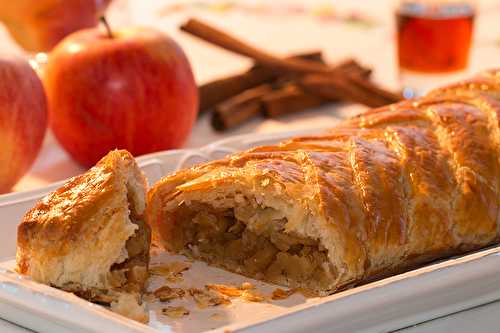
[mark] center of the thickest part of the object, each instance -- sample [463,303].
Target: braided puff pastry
[89,237]
[384,192]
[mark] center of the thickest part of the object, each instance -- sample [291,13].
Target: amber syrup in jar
[434,36]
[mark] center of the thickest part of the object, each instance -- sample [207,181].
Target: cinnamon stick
[219,90]
[285,99]
[289,99]
[335,88]
[353,67]
[358,87]
[240,108]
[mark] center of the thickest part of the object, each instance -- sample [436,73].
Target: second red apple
[23,119]
[133,89]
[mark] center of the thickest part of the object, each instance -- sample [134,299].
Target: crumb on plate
[226,290]
[175,311]
[250,296]
[205,298]
[279,294]
[232,291]
[166,293]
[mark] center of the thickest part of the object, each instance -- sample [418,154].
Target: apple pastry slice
[88,237]
[387,191]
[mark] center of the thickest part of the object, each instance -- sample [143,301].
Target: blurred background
[367,32]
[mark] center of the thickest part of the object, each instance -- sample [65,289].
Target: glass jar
[433,42]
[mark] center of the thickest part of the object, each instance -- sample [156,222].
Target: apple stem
[106,25]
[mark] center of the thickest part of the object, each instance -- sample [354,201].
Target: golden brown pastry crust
[385,191]
[88,236]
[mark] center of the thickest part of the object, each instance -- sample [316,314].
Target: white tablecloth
[282,27]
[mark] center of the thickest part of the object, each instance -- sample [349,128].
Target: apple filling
[130,271]
[250,239]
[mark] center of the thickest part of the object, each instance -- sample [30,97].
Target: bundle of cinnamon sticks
[276,86]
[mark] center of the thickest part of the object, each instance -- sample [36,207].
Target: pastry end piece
[89,237]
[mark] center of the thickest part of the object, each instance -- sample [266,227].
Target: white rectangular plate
[406,299]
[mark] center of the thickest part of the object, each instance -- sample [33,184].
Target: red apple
[132,90]
[38,25]
[23,119]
